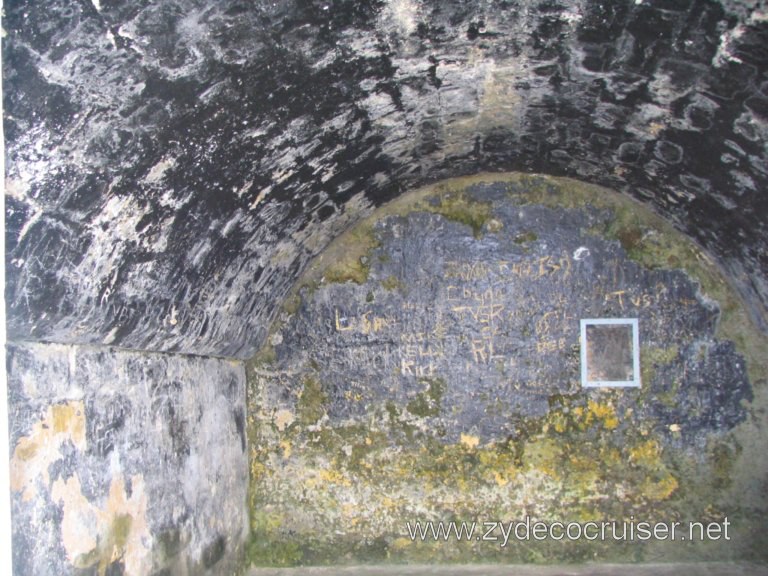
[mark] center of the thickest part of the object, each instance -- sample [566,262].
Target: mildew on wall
[427,368]
[126,462]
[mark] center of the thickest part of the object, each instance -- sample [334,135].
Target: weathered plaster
[126,461]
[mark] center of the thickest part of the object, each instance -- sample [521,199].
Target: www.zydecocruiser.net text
[604,531]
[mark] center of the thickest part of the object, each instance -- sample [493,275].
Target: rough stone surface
[172,166]
[480,333]
[125,462]
[427,368]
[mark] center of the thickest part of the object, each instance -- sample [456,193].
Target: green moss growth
[348,271]
[460,207]
[264,549]
[651,358]
[353,265]
[525,237]
[669,397]
[265,356]
[722,456]
[311,404]
[428,403]
[391,283]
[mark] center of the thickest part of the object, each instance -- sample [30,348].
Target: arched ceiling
[173,165]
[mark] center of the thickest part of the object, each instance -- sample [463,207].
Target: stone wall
[173,167]
[427,368]
[125,462]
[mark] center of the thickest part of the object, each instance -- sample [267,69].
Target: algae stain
[121,529]
[428,403]
[525,237]
[311,404]
[459,207]
[391,283]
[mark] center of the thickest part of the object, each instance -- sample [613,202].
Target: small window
[610,352]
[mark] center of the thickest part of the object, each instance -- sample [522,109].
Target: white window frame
[635,382]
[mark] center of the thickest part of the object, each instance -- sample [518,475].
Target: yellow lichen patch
[334,477]
[500,464]
[500,478]
[469,441]
[605,413]
[559,421]
[286,447]
[258,469]
[400,543]
[35,453]
[544,455]
[95,535]
[645,454]
[661,489]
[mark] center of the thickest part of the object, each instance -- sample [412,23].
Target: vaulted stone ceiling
[173,165]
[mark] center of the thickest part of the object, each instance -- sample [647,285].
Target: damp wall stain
[444,384]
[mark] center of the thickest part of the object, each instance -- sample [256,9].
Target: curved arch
[167,186]
[174,166]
